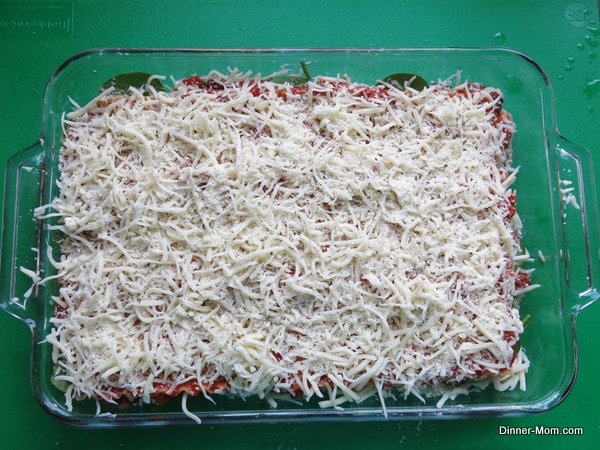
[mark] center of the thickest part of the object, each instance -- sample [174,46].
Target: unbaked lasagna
[333,240]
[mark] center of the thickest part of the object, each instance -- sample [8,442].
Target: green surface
[560,35]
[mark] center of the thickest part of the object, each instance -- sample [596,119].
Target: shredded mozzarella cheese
[328,243]
[541,256]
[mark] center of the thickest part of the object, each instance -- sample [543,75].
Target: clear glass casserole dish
[562,238]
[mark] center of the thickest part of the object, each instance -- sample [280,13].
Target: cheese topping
[330,242]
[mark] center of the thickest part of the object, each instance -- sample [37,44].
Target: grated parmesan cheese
[327,243]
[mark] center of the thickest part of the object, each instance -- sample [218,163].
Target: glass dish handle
[20,232]
[579,210]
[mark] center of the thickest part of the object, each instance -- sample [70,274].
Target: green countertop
[560,35]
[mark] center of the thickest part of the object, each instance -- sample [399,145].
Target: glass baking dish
[562,239]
